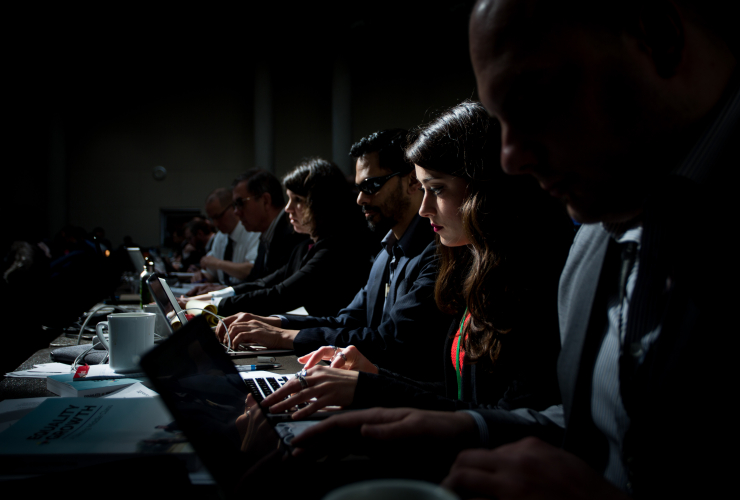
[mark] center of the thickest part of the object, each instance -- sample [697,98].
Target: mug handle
[99,333]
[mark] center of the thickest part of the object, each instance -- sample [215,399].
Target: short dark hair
[390,147]
[260,181]
[330,205]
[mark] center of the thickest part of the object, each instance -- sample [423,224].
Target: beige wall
[96,106]
[204,141]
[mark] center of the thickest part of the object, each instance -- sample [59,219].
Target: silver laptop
[167,302]
[137,258]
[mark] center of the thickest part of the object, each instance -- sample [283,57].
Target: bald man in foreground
[628,112]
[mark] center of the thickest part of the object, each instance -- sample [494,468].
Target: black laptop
[208,398]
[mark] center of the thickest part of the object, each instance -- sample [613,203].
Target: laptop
[137,258]
[208,399]
[167,303]
[165,299]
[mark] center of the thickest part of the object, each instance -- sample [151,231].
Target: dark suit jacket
[679,392]
[406,337]
[284,240]
[322,279]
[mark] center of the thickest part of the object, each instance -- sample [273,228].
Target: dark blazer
[321,277]
[524,376]
[677,392]
[406,337]
[270,259]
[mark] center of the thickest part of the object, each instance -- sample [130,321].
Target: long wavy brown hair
[517,233]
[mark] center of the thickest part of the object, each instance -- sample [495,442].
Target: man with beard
[629,112]
[393,320]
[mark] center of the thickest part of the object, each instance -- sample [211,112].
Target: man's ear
[661,34]
[267,199]
[414,184]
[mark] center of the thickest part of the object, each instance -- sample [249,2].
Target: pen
[251,368]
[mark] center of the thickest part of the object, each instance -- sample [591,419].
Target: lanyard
[458,371]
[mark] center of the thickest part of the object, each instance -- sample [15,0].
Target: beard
[389,212]
[383,224]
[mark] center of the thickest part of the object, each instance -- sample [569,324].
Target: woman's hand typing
[348,358]
[330,387]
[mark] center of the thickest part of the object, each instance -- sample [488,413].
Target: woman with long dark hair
[502,243]
[324,273]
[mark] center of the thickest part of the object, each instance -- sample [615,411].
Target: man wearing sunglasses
[393,320]
[234,249]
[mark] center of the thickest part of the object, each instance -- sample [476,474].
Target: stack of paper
[42,371]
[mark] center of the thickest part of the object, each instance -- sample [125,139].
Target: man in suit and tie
[628,112]
[258,202]
[393,320]
[233,249]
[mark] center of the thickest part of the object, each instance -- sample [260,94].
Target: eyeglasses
[372,185]
[216,217]
[239,202]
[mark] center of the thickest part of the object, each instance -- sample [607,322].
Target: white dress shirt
[245,244]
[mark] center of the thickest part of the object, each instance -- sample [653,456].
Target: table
[17,388]
[14,388]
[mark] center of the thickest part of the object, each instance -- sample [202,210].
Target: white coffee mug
[391,489]
[130,336]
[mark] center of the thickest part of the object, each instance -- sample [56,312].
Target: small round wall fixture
[159,173]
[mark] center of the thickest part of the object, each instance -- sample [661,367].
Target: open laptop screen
[208,398]
[137,258]
[165,299]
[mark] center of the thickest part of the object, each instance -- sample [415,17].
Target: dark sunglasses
[372,185]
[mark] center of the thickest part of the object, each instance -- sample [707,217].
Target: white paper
[104,370]
[42,371]
[137,390]
[52,367]
[301,311]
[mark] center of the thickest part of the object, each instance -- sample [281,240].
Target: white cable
[89,316]
[220,319]
[81,355]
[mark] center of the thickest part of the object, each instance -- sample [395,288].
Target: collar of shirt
[389,242]
[266,237]
[406,240]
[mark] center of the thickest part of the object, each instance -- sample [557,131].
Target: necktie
[229,250]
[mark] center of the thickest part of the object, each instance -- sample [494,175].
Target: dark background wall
[98,99]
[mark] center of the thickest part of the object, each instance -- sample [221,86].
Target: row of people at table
[601,104]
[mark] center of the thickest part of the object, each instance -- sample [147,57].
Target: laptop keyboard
[264,386]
